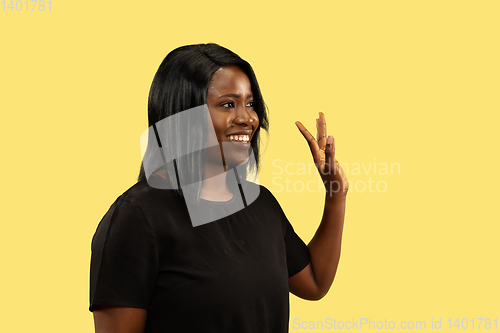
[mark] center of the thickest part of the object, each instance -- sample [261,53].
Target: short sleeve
[124,262]
[297,252]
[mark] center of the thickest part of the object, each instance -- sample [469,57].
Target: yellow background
[409,82]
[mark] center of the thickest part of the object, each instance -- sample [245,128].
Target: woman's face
[230,103]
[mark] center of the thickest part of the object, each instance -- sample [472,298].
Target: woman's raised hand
[323,151]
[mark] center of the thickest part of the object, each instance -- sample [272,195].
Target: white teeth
[244,138]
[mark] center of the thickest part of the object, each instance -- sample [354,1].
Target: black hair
[182,82]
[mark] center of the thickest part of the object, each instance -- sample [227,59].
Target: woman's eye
[228,105]
[250,104]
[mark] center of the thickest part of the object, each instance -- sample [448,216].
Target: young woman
[153,271]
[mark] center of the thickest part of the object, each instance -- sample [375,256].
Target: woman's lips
[239,140]
[240,144]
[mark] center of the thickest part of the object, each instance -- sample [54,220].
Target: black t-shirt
[230,275]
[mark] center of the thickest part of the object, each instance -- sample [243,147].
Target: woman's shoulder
[265,190]
[144,196]
[267,194]
[143,204]
[263,199]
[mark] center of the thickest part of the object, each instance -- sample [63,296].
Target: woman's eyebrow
[234,95]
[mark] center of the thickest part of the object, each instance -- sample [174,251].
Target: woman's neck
[215,184]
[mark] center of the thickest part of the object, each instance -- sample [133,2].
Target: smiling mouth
[239,138]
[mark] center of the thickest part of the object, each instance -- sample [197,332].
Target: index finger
[313,144]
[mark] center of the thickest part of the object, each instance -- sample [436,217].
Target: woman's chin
[234,161]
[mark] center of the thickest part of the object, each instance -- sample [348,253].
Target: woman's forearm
[326,243]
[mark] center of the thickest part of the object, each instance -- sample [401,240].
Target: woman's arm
[119,319]
[314,281]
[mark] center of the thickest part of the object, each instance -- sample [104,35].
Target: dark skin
[314,281]
[119,319]
[230,101]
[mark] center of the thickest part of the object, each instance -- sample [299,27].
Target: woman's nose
[243,117]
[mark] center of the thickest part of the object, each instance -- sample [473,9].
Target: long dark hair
[182,82]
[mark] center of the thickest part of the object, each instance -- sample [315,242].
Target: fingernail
[329,140]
